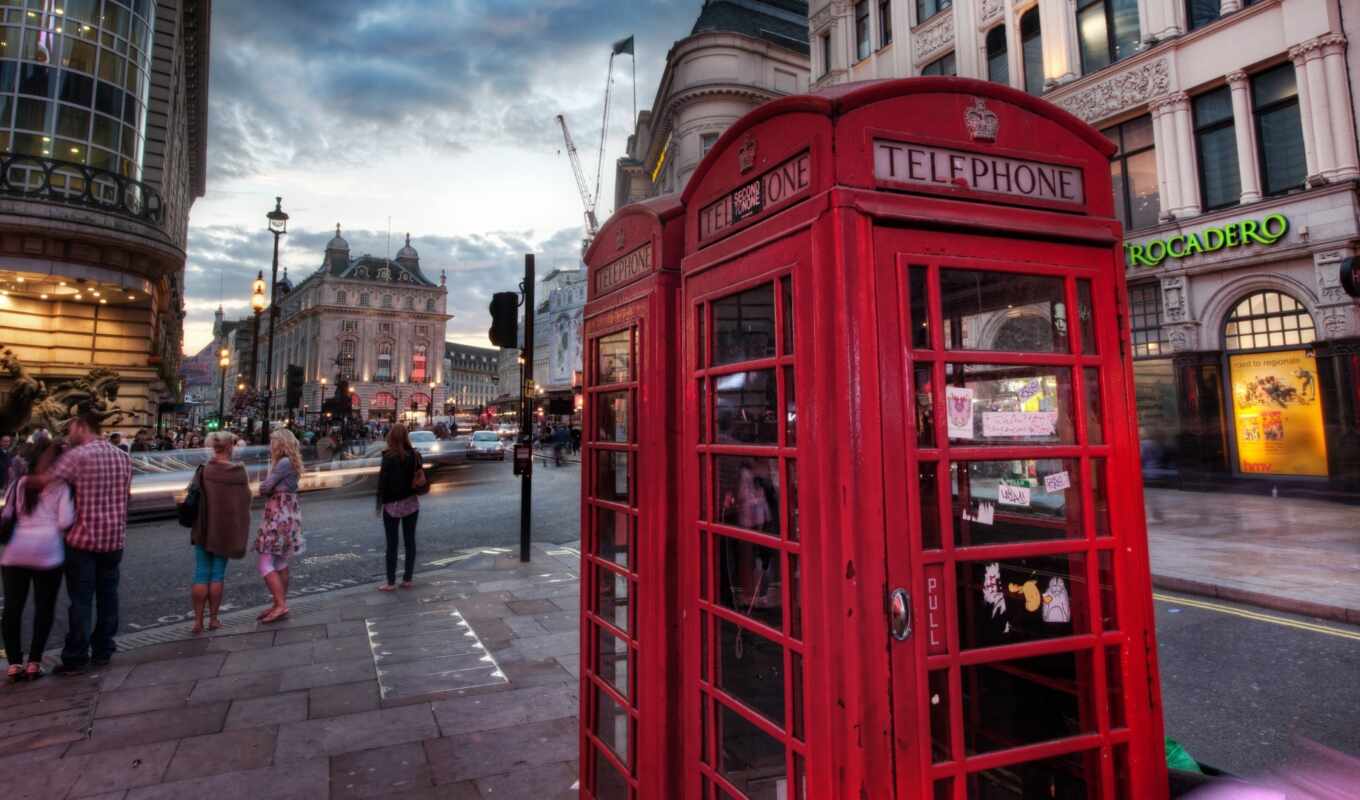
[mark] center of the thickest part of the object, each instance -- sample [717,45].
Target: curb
[1350,616]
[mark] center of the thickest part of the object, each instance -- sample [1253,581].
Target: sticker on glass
[1053,603]
[984,514]
[959,402]
[1011,424]
[1057,482]
[1008,495]
[991,589]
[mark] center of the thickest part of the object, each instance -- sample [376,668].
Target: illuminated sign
[623,270]
[1245,232]
[775,188]
[661,159]
[914,165]
[1278,415]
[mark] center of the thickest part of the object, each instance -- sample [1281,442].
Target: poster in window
[1277,414]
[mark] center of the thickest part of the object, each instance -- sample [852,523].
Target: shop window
[1220,183]
[998,66]
[1133,171]
[1032,51]
[347,360]
[826,52]
[384,372]
[884,23]
[418,364]
[1107,31]
[1145,316]
[1279,131]
[1268,319]
[925,9]
[944,65]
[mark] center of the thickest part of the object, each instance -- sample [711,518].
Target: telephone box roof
[660,210]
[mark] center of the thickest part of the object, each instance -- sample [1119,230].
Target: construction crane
[591,197]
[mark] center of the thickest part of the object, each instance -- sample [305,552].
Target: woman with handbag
[35,521]
[401,480]
[221,526]
[280,535]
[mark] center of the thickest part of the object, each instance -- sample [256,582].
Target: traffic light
[293,385]
[213,424]
[505,319]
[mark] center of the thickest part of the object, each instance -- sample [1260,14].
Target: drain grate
[433,650]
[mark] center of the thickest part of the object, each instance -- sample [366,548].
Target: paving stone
[373,773]
[121,768]
[236,687]
[304,633]
[551,646]
[22,708]
[571,665]
[505,709]
[268,659]
[153,726]
[112,676]
[328,674]
[118,795]
[148,698]
[39,773]
[340,630]
[348,698]
[241,641]
[492,631]
[175,670]
[563,588]
[523,627]
[181,648]
[485,753]
[344,648]
[543,672]
[531,607]
[231,751]
[273,710]
[41,739]
[302,780]
[70,718]
[336,735]
[541,782]
[559,622]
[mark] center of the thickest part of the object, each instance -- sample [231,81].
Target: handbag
[188,509]
[419,483]
[10,516]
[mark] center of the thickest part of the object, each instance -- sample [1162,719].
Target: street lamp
[223,361]
[278,225]
[430,408]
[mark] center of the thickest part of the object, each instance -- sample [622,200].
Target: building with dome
[375,322]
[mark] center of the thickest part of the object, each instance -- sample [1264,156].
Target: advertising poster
[1277,414]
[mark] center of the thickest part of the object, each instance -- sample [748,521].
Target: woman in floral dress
[280,535]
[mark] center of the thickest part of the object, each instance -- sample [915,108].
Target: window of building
[410,304]
[1145,317]
[422,330]
[826,52]
[706,142]
[384,372]
[1107,31]
[1267,319]
[884,23]
[944,65]
[1220,184]
[1279,132]
[340,297]
[349,325]
[385,327]
[925,9]
[347,360]
[1032,51]
[429,304]
[387,301]
[1201,12]
[998,66]
[418,374]
[1133,170]
[862,47]
[363,299]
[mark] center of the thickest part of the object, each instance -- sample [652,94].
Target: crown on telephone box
[982,123]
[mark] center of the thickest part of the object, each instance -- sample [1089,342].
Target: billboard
[1277,414]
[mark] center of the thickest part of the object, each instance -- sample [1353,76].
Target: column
[1015,61]
[1347,164]
[1229,6]
[1185,149]
[1165,150]
[1161,21]
[1057,20]
[1305,111]
[1321,103]
[1244,126]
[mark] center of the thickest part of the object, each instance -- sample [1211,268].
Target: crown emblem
[982,123]
[619,240]
[746,157]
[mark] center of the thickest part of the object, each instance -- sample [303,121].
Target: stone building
[558,321]
[471,377]
[100,160]
[1235,177]
[376,322]
[739,54]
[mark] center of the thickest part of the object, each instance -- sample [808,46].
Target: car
[486,444]
[434,452]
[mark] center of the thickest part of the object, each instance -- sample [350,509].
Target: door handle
[899,614]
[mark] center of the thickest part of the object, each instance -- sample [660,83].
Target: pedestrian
[100,474]
[325,447]
[33,558]
[116,439]
[398,503]
[223,526]
[280,534]
[7,457]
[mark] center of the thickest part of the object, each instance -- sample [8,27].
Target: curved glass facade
[74,80]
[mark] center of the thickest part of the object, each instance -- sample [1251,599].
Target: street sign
[524,459]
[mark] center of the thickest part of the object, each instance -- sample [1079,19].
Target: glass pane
[612,476]
[795,598]
[792,499]
[613,416]
[612,598]
[748,580]
[786,292]
[609,784]
[1109,619]
[941,748]
[1144,199]
[1095,431]
[1022,500]
[1120,186]
[611,724]
[1100,497]
[700,315]
[1032,51]
[1000,404]
[1273,86]
[612,653]
[1218,167]
[703,488]
[920,316]
[1212,107]
[744,326]
[1282,165]
[1086,317]
[796,689]
[1027,701]
[751,669]
[1114,678]
[924,375]
[944,789]
[748,492]
[1124,18]
[1065,777]
[703,410]
[615,358]
[1202,12]
[752,760]
[746,403]
[928,484]
[612,539]
[1021,599]
[1002,311]
[1093,37]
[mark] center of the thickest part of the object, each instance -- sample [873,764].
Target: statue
[32,406]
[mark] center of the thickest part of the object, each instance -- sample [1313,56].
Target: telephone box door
[1018,667]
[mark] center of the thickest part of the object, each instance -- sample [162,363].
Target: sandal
[274,615]
[15,672]
[263,614]
[407,584]
[34,671]
[387,587]
[213,624]
[197,629]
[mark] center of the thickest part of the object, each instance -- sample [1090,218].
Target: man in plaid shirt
[100,475]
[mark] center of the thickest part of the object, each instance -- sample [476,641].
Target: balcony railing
[78,185]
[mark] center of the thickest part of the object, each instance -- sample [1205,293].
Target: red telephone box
[630,678]
[911,553]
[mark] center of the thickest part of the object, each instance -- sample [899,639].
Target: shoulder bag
[419,483]
[10,516]
[193,500]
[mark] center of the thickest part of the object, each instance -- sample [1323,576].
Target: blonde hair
[282,443]
[221,441]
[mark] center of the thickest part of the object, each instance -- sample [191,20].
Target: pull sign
[899,614]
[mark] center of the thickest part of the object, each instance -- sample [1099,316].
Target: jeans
[408,530]
[91,583]
[208,568]
[46,584]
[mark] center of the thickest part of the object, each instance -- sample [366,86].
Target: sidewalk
[464,687]
[1290,554]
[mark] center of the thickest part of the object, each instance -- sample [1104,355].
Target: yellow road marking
[1238,612]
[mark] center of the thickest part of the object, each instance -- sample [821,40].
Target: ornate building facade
[103,150]
[471,377]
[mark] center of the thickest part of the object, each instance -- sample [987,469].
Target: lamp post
[429,413]
[223,361]
[257,304]
[278,225]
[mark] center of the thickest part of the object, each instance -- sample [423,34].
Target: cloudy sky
[435,114]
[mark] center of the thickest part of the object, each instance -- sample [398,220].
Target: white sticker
[1057,482]
[1008,495]
[1008,424]
[958,401]
[984,515]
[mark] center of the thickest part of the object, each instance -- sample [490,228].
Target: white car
[433,451]
[486,444]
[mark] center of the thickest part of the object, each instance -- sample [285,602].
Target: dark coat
[395,476]
[223,525]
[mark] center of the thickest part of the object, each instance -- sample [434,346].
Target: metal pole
[222,398]
[254,368]
[273,317]
[526,493]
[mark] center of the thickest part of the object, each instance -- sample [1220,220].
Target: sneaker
[68,670]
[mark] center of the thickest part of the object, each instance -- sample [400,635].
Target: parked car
[486,444]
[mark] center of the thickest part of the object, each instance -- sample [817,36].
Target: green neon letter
[1281,225]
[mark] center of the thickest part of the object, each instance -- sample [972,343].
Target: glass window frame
[998,33]
[1111,40]
[1034,84]
[1257,115]
[937,66]
[927,9]
[885,31]
[1145,317]
[1299,314]
[863,35]
[1200,130]
[1122,156]
[826,53]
